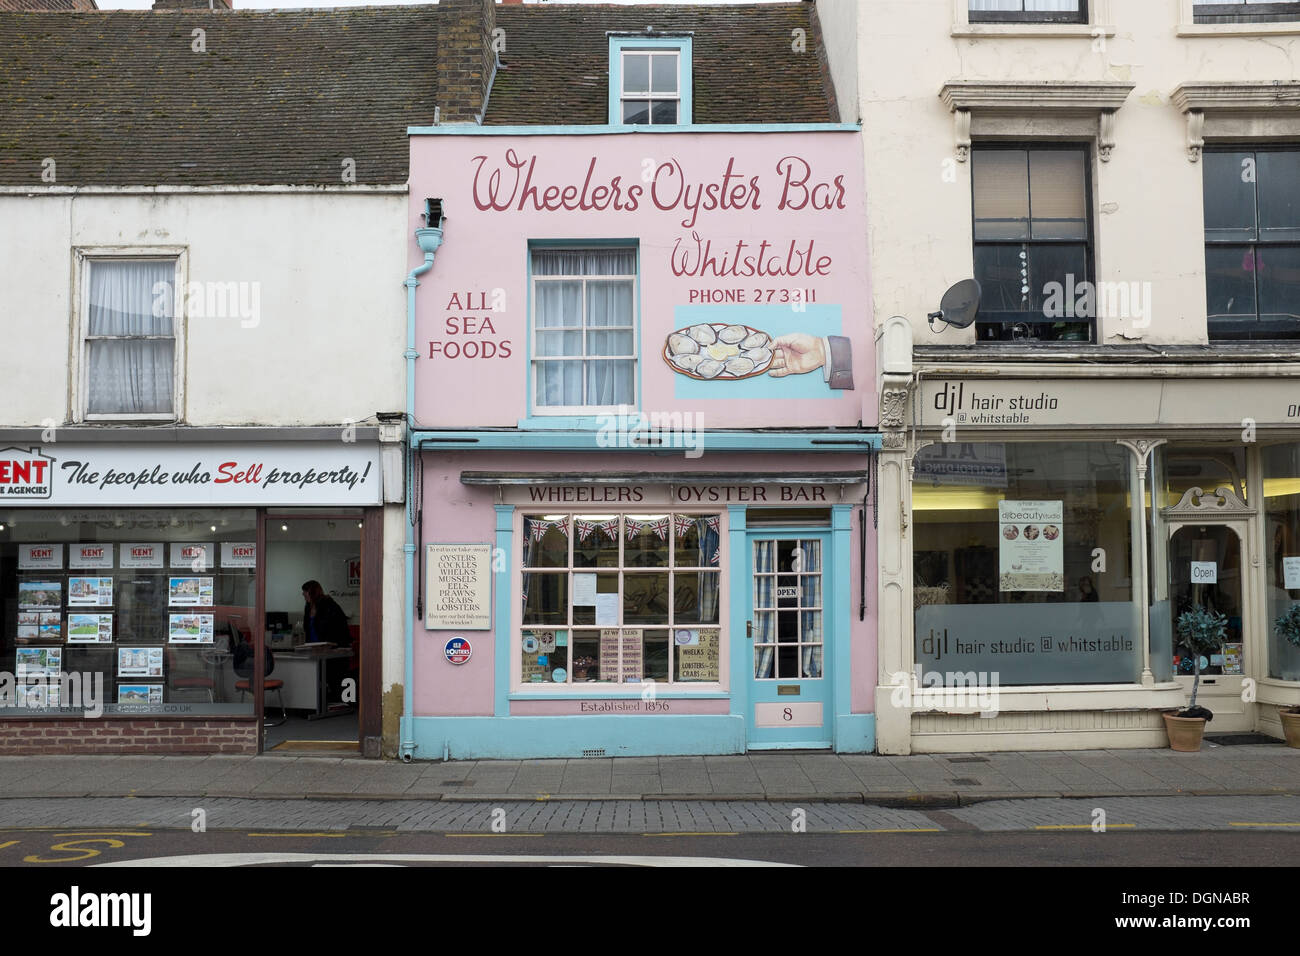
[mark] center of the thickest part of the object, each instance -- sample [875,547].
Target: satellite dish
[959,305]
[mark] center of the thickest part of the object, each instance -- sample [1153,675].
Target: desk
[303,673]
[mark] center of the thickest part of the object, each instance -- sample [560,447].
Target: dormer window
[649,81]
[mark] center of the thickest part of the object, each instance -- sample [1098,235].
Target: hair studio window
[1022,563]
[128,610]
[612,599]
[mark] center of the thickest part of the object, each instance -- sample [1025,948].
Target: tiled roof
[285,97]
[10,5]
[745,69]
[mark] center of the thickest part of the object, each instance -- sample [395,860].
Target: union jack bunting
[683,524]
[713,523]
[585,529]
[660,528]
[610,529]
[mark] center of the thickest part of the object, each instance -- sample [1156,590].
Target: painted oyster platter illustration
[716,351]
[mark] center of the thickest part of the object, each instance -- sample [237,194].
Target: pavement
[921,781]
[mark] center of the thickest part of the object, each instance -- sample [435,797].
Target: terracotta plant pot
[1291,727]
[1184,732]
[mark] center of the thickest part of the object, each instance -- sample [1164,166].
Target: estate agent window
[611,598]
[1252,243]
[130,339]
[584,344]
[146,601]
[1033,242]
[1008,585]
[1028,11]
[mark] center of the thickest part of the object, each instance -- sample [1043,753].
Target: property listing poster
[1030,553]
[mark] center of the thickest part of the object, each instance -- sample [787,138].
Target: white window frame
[618,688]
[80,384]
[1099,24]
[650,96]
[1188,27]
[536,359]
[622,44]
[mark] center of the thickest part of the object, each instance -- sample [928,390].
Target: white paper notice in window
[1030,553]
[607,610]
[1291,573]
[584,590]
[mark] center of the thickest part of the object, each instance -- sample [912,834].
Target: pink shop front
[642,445]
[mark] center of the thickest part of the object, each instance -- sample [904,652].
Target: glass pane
[663,112]
[664,73]
[587,663]
[559,303]
[646,598]
[595,541]
[787,662]
[1229,282]
[1229,195]
[584,612]
[811,590]
[654,656]
[636,112]
[1058,194]
[545,657]
[698,540]
[1000,184]
[812,662]
[764,556]
[1205,467]
[546,541]
[133,298]
[695,655]
[764,627]
[787,627]
[636,73]
[810,556]
[812,626]
[1282,542]
[1279,283]
[764,659]
[648,541]
[610,343]
[1053,272]
[1279,194]
[787,554]
[787,590]
[130,377]
[559,343]
[546,598]
[695,597]
[558,383]
[1211,544]
[1003,274]
[610,303]
[611,382]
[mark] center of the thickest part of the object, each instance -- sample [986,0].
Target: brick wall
[465,57]
[18,737]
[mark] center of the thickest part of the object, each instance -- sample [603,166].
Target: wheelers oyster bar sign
[150,473]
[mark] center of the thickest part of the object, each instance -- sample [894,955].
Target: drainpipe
[429,239]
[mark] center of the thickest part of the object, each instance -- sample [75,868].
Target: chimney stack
[193,4]
[465,58]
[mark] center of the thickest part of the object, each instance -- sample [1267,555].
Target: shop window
[141,604]
[1252,243]
[1033,243]
[650,81]
[130,339]
[1244,11]
[1028,11]
[1282,541]
[619,599]
[584,343]
[1008,588]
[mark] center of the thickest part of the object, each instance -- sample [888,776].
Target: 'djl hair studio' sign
[327,473]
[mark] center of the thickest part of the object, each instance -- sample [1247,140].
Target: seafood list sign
[592,272]
[1030,557]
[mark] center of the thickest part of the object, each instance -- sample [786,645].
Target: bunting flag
[660,528]
[537,528]
[562,526]
[585,529]
[717,556]
[713,523]
[610,528]
[683,525]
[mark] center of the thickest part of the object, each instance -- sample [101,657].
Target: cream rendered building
[1115,438]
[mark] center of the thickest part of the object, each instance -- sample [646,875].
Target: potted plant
[1288,628]
[1203,633]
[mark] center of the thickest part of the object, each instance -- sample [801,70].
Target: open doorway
[313,627]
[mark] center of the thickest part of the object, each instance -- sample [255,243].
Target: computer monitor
[277,620]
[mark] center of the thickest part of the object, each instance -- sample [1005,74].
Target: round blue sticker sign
[458,650]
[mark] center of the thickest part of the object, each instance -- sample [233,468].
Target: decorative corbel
[1105,134]
[1195,134]
[961,129]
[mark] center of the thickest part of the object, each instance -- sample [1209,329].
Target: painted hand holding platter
[718,351]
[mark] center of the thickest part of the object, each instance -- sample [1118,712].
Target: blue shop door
[790,687]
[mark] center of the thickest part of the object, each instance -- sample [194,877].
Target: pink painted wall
[642,187]
[458,514]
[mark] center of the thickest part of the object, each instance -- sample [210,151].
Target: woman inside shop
[324,622]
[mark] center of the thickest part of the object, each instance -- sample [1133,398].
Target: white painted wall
[1148,217]
[839,22]
[328,267]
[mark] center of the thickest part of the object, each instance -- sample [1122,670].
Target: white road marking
[262,859]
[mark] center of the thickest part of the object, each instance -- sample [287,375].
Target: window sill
[1087,31]
[714,694]
[1237,29]
[566,422]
